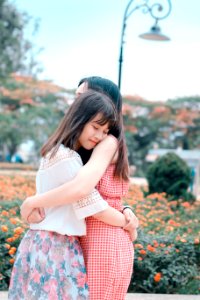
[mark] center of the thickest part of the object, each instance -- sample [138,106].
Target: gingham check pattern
[108,250]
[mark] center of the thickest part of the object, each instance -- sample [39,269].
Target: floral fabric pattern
[48,266]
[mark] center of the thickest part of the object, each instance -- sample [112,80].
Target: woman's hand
[132,223]
[37,215]
[131,219]
[26,208]
[133,235]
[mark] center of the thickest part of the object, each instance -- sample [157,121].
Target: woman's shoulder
[108,145]
[62,154]
[66,152]
[114,141]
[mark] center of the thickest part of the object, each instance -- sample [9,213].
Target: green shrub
[165,265]
[170,174]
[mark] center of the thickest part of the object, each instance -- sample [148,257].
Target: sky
[82,38]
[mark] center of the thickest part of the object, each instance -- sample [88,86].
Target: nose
[99,136]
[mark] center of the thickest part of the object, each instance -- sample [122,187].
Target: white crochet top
[67,219]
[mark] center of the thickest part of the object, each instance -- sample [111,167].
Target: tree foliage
[14,46]
[175,123]
[30,110]
[28,123]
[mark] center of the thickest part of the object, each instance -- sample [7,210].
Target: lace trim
[62,154]
[93,198]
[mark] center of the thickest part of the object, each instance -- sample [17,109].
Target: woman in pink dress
[108,251]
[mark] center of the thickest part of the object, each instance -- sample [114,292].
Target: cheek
[82,135]
[90,132]
[86,133]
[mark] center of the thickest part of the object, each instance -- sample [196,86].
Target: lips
[93,142]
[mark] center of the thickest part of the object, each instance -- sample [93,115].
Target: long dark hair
[83,110]
[106,86]
[110,88]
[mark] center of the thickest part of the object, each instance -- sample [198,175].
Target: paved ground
[3,296]
[161,297]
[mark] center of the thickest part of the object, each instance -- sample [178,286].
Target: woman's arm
[79,187]
[83,183]
[111,216]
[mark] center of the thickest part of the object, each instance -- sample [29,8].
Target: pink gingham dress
[108,250]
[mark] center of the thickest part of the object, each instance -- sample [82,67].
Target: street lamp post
[157,12]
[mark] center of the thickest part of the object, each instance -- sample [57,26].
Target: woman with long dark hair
[108,252]
[49,262]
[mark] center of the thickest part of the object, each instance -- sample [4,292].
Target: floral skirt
[48,266]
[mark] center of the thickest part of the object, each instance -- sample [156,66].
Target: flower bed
[11,232]
[16,187]
[167,251]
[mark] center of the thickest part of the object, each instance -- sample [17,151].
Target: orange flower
[9,240]
[155,243]
[5,213]
[11,252]
[138,246]
[7,246]
[196,241]
[18,230]
[12,211]
[186,204]
[12,261]
[169,228]
[157,277]
[4,228]
[150,248]
[13,221]
[140,258]
[183,240]
[142,252]
[173,223]
[16,236]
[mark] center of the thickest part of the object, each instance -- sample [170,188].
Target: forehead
[97,119]
[81,89]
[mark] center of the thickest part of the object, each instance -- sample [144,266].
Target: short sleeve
[58,170]
[90,205]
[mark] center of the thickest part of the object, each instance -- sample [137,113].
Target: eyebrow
[97,122]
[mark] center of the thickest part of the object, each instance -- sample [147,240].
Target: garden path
[3,296]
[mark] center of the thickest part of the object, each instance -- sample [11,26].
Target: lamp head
[154,34]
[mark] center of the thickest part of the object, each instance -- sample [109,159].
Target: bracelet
[127,206]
